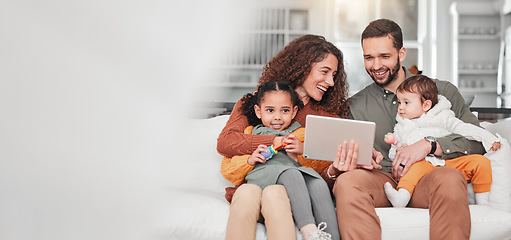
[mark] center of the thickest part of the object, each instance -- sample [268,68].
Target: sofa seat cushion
[201,215]
[413,223]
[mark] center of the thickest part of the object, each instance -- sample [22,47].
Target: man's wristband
[433,142]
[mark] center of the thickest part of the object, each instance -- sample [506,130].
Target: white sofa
[198,209]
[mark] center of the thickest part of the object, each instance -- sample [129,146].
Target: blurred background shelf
[266,29]
[478,40]
[461,41]
[491,114]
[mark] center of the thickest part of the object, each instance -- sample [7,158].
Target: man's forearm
[455,145]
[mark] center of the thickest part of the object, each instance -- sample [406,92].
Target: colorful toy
[272,150]
[390,138]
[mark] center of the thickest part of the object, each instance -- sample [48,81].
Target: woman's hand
[256,156]
[347,157]
[377,157]
[345,160]
[375,164]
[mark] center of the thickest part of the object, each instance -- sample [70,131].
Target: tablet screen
[324,134]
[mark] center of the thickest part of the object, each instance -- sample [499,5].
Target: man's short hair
[384,27]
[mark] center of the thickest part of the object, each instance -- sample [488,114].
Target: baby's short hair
[422,85]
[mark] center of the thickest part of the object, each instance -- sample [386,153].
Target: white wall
[444,25]
[91,95]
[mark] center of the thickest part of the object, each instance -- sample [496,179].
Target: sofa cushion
[500,193]
[413,223]
[502,127]
[194,214]
[198,162]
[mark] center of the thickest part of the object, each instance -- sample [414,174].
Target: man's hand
[407,155]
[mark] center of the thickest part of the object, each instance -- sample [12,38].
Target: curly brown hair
[294,63]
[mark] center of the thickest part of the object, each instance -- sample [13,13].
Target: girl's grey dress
[268,173]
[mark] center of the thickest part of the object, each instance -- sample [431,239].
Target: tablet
[324,134]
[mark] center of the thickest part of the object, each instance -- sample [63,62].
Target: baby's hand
[257,156]
[495,146]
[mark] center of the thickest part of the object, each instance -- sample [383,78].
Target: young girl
[271,110]
[423,114]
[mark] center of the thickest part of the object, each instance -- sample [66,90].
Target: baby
[423,114]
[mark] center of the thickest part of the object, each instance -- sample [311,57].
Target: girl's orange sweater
[236,168]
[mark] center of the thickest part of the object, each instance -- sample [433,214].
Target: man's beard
[392,75]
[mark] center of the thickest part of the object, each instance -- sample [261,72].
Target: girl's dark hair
[250,100]
[294,63]
[422,85]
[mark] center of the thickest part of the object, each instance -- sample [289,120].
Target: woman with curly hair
[315,69]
